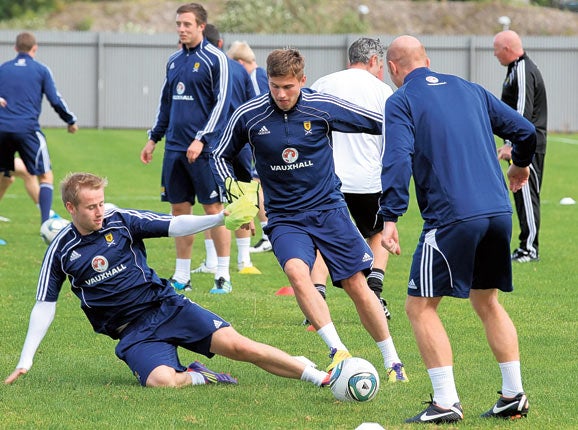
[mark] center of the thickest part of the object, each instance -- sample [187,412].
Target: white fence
[113,80]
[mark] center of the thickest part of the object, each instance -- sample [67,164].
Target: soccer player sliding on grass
[104,258]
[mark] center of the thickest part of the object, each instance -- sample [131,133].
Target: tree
[12,9]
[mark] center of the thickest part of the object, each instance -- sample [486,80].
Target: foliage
[28,11]
[18,9]
[288,16]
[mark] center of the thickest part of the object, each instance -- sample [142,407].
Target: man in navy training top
[241,51]
[241,91]
[103,256]
[440,129]
[192,114]
[289,130]
[23,83]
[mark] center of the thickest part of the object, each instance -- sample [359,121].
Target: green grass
[77,382]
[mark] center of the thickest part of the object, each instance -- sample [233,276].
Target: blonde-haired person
[241,51]
[103,256]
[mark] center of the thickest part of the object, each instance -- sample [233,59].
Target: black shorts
[364,211]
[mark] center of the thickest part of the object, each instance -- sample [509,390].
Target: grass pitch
[77,382]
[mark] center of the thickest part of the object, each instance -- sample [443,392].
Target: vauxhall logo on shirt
[100,264]
[290,157]
[180,89]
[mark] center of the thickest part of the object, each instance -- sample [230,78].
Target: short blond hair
[73,182]
[240,50]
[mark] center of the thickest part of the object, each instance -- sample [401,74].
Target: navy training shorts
[32,148]
[332,232]
[473,254]
[152,340]
[183,181]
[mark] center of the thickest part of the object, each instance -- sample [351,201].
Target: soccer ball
[50,228]
[354,379]
[109,206]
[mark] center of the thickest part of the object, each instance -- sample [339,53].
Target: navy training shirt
[107,269]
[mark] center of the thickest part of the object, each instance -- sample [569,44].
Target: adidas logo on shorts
[366,257]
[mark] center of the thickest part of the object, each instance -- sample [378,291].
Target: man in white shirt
[358,156]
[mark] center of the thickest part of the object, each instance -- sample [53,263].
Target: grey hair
[363,49]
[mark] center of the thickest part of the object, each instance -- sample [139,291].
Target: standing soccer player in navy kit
[103,256]
[524,90]
[192,114]
[241,92]
[23,83]
[242,52]
[439,128]
[289,130]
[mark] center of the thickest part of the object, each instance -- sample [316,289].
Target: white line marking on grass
[564,140]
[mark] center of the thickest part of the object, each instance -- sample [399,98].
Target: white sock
[211,253]
[263,235]
[329,335]
[182,270]
[223,268]
[388,352]
[511,378]
[243,254]
[197,378]
[444,386]
[310,374]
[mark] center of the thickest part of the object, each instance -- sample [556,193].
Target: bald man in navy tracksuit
[440,129]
